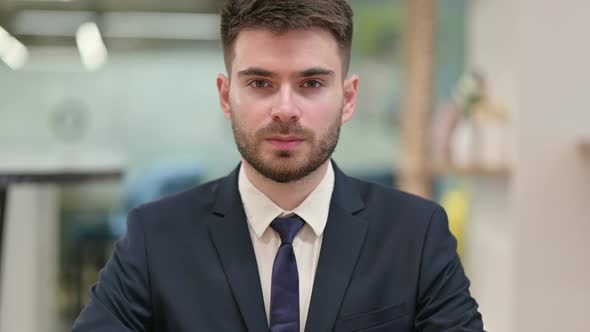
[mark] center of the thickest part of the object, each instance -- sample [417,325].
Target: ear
[350,87]
[223,89]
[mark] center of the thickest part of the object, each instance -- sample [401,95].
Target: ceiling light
[12,51]
[91,46]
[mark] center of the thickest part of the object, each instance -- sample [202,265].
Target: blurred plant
[377,29]
[468,92]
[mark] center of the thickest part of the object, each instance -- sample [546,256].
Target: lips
[285,142]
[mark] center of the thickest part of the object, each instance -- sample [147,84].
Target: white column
[30,263]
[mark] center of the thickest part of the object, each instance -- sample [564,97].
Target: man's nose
[284,108]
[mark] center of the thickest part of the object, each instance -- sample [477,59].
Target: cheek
[321,113]
[248,106]
[247,120]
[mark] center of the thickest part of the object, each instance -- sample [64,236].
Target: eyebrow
[255,71]
[315,71]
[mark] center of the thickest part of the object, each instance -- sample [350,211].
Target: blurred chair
[89,238]
[384,177]
[162,180]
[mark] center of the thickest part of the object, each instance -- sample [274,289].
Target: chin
[284,162]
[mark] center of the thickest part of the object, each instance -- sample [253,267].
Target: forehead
[291,51]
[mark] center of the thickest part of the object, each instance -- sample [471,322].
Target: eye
[312,84]
[259,84]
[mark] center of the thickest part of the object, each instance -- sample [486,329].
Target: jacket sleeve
[120,300]
[444,301]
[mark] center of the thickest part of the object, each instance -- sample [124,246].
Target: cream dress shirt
[261,211]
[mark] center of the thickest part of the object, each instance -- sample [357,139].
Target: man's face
[287,100]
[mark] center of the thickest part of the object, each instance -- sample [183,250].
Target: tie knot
[287,227]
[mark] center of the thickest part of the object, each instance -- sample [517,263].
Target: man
[286,242]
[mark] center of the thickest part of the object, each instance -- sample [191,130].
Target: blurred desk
[29,233]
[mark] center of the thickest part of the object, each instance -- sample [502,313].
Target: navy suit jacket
[387,263]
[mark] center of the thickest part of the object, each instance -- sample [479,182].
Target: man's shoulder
[372,192]
[390,201]
[195,200]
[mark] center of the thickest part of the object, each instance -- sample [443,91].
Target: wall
[147,104]
[490,244]
[552,179]
[534,226]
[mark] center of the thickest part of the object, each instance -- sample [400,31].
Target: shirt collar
[261,210]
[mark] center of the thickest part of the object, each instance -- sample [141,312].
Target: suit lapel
[341,246]
[343,239]
[231,238]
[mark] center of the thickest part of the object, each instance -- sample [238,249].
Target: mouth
[285,142]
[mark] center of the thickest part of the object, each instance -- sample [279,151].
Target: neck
[289,195]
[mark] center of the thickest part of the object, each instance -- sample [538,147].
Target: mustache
[282,128]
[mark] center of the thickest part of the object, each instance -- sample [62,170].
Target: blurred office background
[480,105]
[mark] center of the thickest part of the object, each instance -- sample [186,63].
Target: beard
[285,166]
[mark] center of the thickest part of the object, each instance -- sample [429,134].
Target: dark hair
[281,16]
